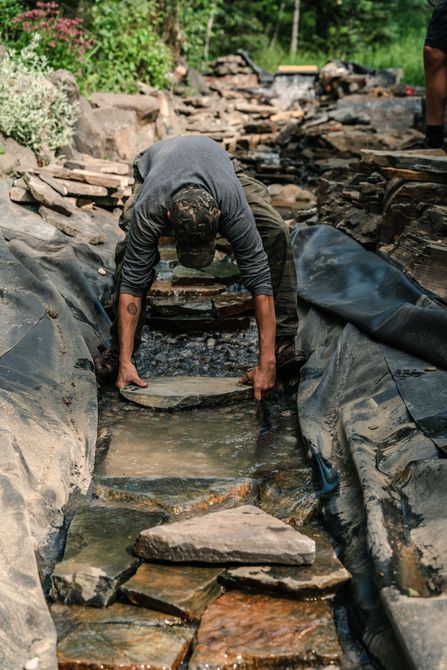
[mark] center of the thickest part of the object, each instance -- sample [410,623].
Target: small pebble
[32,664]
[101,271]
[211,343]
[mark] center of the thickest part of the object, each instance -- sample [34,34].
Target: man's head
[194,218]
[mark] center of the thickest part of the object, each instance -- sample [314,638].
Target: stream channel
[152,467]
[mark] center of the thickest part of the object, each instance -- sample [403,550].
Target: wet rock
[198,439]
[232,305]
[189,276]
[245,534]
[187,392]
[324,577]
[260,631]
[98,554]
[120,637]
[165,289]
[180,590]
[288,493]
[177,495]
[189,324]
[175,307]
[223,272]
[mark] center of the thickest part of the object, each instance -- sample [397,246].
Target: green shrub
[33,110]
[127,47]
[63,41]
[9,33]
[404,53]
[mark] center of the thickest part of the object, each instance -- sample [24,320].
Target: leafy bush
[127,47]
[33,110]
[8,11]
[63,41]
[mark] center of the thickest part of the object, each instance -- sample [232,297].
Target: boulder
[146,107]
[89,136]
[14,157]
[124,136]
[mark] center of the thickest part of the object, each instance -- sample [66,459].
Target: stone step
[244,534]
[184,392]
[260,631]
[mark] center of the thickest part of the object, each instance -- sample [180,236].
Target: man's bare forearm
[266,320]
[129,309]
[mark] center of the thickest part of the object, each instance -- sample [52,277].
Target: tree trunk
[295,27]
[278,21]
[209,31]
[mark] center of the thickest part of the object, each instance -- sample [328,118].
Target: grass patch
[405,53]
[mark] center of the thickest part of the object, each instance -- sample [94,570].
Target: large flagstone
[244,534]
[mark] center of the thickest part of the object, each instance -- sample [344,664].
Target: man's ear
[169,214]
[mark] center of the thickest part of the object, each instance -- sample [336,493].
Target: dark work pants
[275,239]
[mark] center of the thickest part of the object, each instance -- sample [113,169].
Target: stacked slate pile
[74,195]
[394,202]
[231,71]
[186,300]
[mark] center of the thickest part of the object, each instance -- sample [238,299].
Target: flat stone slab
[120,638]
[324,577]
[244,534]
[191,277]
[259,631]
[177,495]
[183,590]
[419,624]
[165,289]
[186,392]
[98,554]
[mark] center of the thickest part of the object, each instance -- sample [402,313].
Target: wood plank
[297,69]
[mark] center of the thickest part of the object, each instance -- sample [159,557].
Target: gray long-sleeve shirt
[168,166]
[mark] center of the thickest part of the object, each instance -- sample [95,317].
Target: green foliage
[33,110]
[404,53]
[196,19]
[63,41]
[127,47]
[8,11]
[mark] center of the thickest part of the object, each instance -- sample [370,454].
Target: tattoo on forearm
[132,308]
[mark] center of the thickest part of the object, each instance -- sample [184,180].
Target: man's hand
[262,378]
[128,374]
